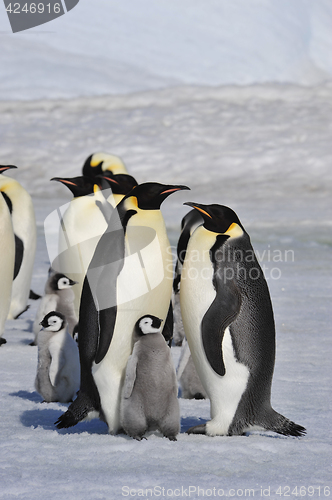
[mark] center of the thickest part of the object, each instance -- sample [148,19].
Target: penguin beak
[199,207]
[3,168]
[72,282]
[172,189]
[64,181]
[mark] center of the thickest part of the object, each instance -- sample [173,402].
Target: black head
[148,324]
[217,218]
[89,170]
[3,168]
[79,186]
[99,163]
[60,281]
[119,183]
[150,195]
[53,322]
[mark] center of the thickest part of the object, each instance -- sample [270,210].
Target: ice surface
[107,46]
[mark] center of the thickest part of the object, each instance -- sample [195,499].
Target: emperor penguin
[119,184]
[99,163]
[81,226]
[189,381]
[149,396]
[83,222]
[189,223]
[7,261]
[24,224]
[130,275]
[58,370]
[228,320]
[59,297]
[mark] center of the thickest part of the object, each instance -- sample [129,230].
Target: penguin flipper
[130,375]
[19,250]
[107,318]
[33,295]
[217,318]
[169,325]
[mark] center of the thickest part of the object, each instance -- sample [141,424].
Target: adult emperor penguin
[58,370]
[189,223]
[120,185]
[24,224]
[59,296]
[7,252]
[228,320]
[129,276]
[149,395]
[98,163]
[82,225]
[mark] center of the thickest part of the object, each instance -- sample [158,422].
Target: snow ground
[263,150]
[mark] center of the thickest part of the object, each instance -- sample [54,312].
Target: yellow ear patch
[234,231]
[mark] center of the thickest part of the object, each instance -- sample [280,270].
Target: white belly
[196,295]
[140,290]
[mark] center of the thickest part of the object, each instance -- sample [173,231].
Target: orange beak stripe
[67,182]
[203,211]
[109,179]
[171,190]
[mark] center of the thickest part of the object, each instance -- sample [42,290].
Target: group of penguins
[105,324]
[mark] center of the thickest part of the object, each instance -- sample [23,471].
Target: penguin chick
[59,297]
[149,396]
[58,371]
[191,386]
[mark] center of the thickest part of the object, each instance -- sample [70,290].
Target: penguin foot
[198,395]
[33,343]
[3,341]
[171,438]
[197,429]
[33,295]
[139,438]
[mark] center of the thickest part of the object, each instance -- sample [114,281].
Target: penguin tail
[76,412]
[282,425]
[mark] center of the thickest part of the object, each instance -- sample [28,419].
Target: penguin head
[53,322]
[59,282]
[148,324]
[79,186]
[3,168]
[150,195]
[119,183]
[98,163]
[219,219]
